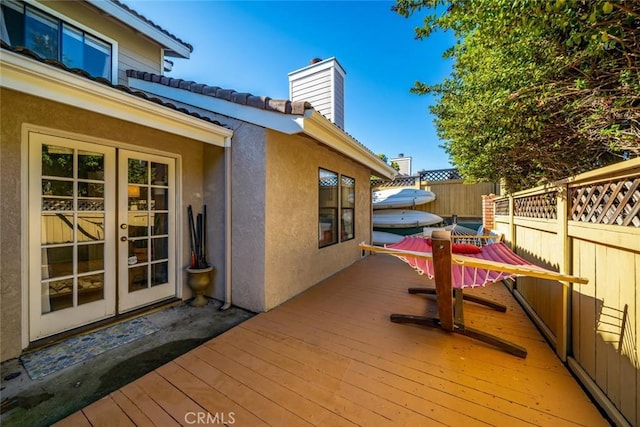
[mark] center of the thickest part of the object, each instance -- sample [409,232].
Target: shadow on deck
[332,357]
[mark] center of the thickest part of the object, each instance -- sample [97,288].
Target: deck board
[331,357]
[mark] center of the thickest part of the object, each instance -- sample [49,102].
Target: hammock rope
[516,266]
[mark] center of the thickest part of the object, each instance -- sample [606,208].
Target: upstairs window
[50,37]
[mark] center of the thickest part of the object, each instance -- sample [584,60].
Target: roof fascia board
[268,119]
[29,76]
[177,48]
[318,127]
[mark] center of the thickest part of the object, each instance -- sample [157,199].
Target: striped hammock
[494,263]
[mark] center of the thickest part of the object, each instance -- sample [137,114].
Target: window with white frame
[50,37]
[347,208]
[336,213]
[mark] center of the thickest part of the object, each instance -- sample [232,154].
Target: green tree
[540,90]
[385,159]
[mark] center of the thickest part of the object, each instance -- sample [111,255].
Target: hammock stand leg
[472,298]
[451,316]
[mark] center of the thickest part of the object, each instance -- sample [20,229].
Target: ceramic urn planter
[199,280]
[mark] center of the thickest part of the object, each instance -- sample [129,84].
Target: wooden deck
[331,357]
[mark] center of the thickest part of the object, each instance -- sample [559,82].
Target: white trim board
[33,77]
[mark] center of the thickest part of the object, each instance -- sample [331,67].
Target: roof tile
[257,101]
[283,106]
[225,94]
[240,98]
[197,87]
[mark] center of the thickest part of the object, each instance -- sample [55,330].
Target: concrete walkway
[41,402]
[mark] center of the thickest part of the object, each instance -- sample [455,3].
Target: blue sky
[251,46]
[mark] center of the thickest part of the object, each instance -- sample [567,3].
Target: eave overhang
[312,123]
[320,128]
[26,75]
[172,46]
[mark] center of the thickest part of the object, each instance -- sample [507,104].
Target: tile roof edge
[23,51]
[283,106]
[150,22]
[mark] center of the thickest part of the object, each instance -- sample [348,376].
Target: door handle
[123,226]
[123,238]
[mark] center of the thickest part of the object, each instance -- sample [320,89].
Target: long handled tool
[197,235]
[192,237]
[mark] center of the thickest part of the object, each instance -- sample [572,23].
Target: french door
[146,229]
[101,232]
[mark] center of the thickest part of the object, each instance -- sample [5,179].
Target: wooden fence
[588,226]
[453,196]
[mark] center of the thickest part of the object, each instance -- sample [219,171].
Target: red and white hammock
[494,263]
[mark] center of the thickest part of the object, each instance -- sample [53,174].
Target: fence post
[512,225]
[562,217]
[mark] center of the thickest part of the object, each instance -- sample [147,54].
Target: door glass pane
[57,161]
[91,190]
[90,288]
[137,197]
[90,258]
[159,173]
[159,273]
[138,171]
[160,248]
[138,224]
[160,224]
[90,166]
[138,278]
[57,295]
[91,204]
[138,250]
[159,198]
[90,227]
[57,195]
[57,262]
[56,228]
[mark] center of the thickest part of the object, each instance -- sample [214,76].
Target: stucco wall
[214,198]
[248,211]
[18,108]
[294,262]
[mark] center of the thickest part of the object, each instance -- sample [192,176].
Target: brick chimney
[321,83]
[487,212]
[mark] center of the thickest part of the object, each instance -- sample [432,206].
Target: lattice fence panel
[502,207]
[440,175]
[613,202]
[400,181]
[541,206]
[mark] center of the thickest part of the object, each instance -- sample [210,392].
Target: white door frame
[43,324]
[29,129]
